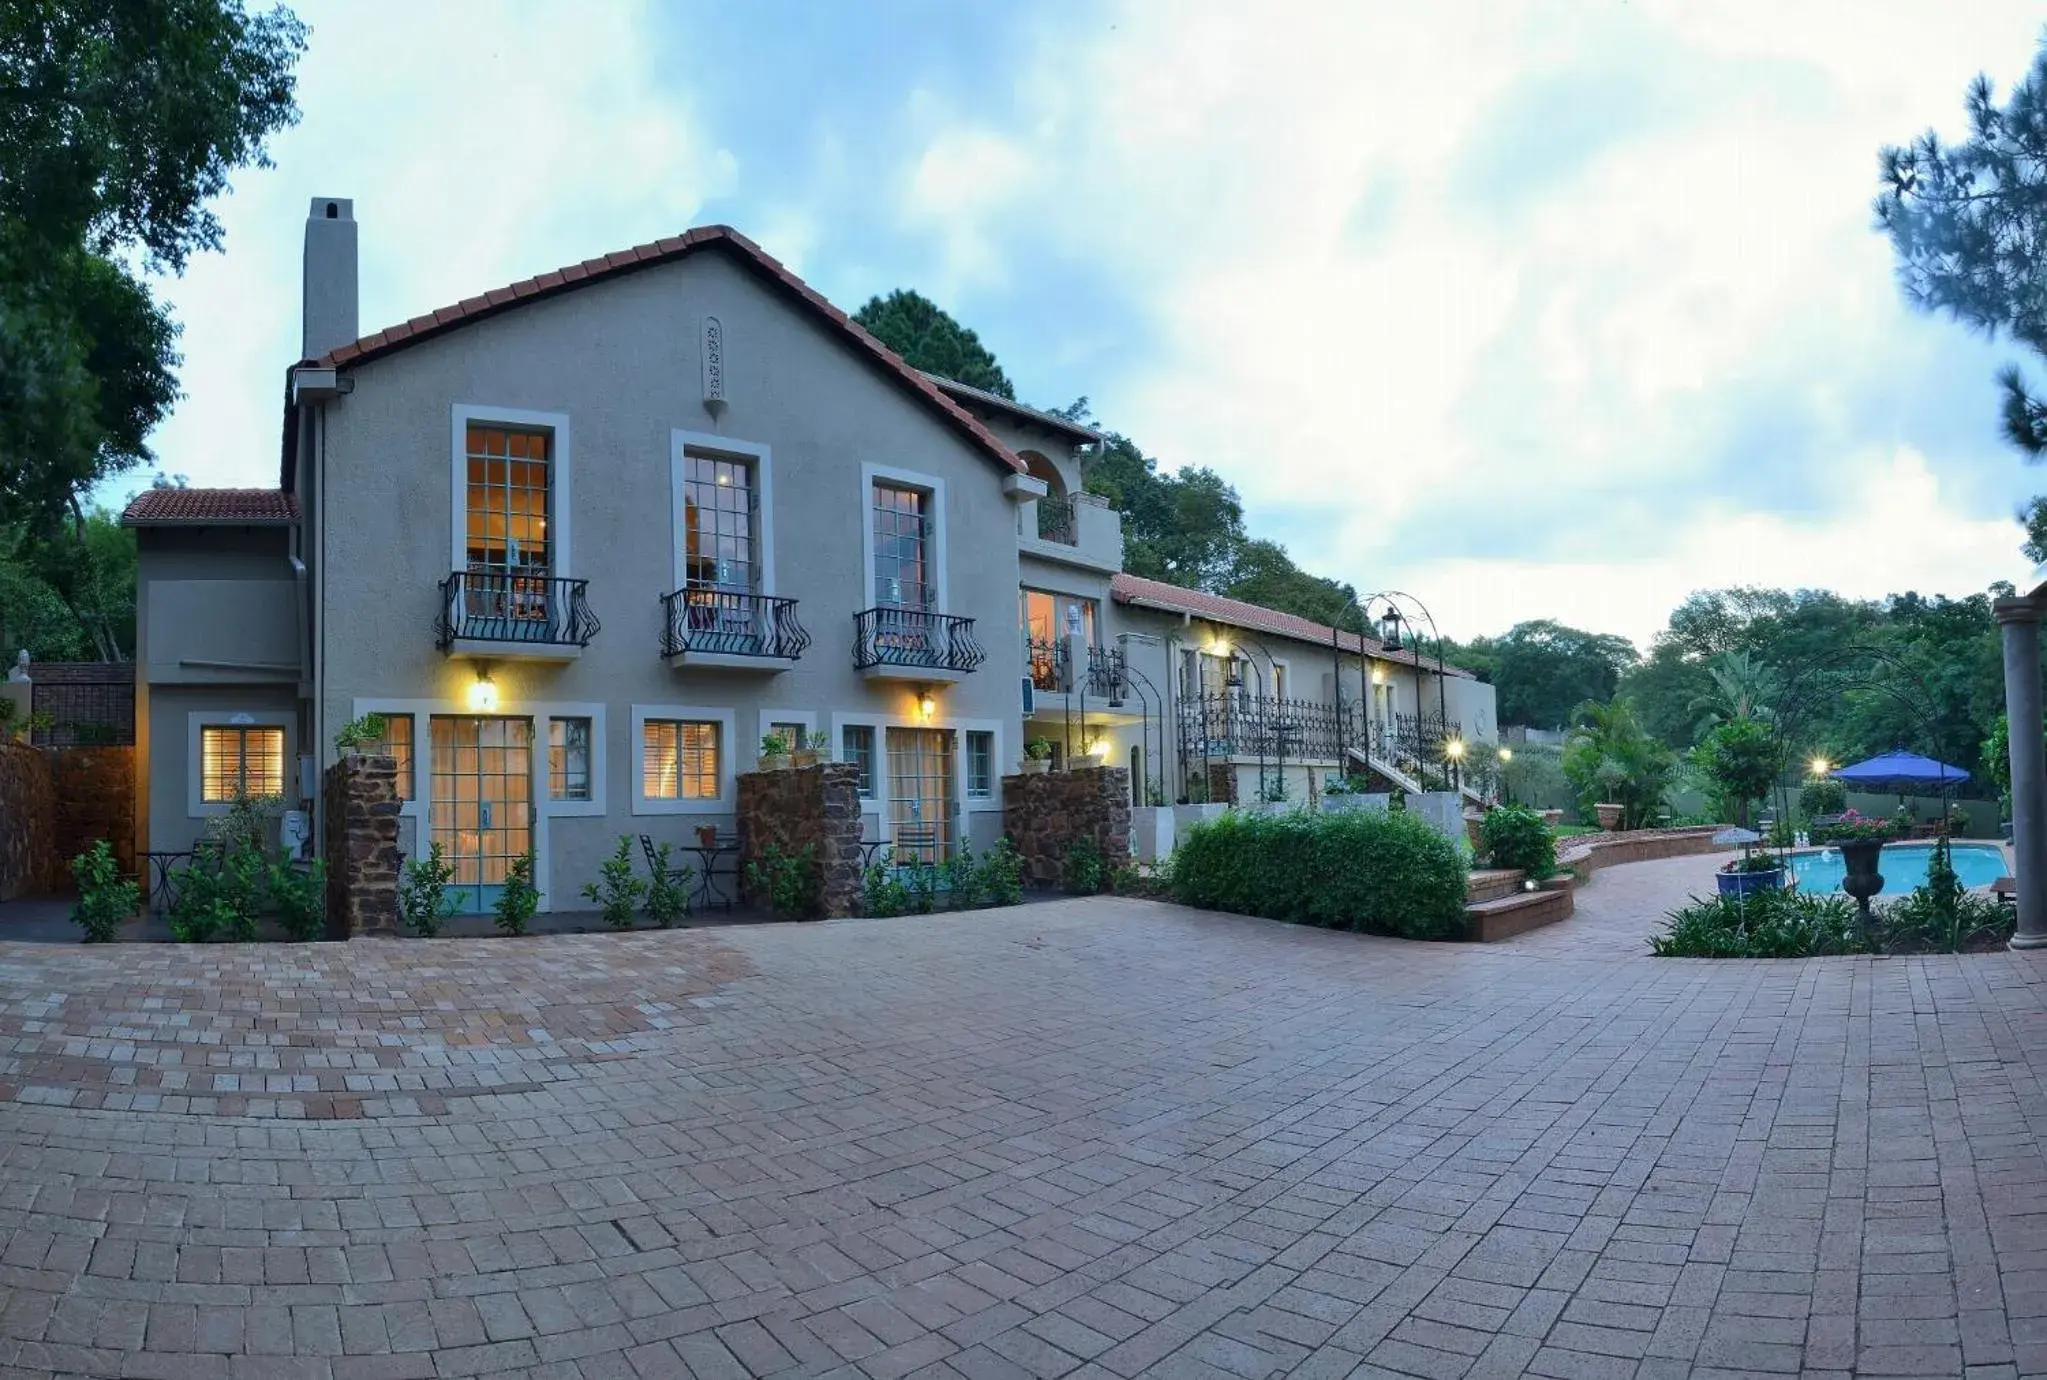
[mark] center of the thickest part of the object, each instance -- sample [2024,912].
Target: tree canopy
[118,124]
[927,338]
[1967,222]
[1543,670]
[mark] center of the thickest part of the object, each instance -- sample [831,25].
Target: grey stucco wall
[619,359]
[172,824]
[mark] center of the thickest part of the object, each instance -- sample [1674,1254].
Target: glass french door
[482,809]
[920,791]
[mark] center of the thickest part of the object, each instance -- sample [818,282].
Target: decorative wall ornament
[711,351]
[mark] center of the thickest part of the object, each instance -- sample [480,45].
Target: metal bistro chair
[654,860]
[918,840]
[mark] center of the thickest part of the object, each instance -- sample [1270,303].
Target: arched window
[1055,509]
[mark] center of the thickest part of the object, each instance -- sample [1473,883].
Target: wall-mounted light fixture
[927,703]
[483,692]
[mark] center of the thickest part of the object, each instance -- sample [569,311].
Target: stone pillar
[805,807]
[1046,813]
[360,795]
[2019,620]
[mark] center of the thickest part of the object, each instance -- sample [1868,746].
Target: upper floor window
[511,482]
[903,576]
[1050,617]
[721,524]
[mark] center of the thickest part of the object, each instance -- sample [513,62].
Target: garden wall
[361,845]
[28,808]
[1587,853]
[805,807]
[95,800]
[1045,814]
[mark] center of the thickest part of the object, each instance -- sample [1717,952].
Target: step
[1491,883]
[1517,914]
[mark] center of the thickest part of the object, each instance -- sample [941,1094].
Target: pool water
[1903,866]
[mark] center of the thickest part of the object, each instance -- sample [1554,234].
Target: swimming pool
[1903,866]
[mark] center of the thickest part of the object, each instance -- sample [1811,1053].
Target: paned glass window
[236,761]
[679,760]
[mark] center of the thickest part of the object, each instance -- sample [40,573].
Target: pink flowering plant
[1853,827]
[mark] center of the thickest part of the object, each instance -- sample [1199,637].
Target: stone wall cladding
[1046,814]
[805,807]
[95,800]
[1587,853]
[29,863]
[360,796]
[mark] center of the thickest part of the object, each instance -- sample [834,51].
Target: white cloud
[1891,531]
[481,142]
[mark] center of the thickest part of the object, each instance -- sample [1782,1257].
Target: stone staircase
[1498,905]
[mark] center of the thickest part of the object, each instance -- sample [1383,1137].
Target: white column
[2019,620]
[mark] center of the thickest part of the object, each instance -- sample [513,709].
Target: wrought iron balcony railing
[731,623]
[501,606]
[915,638]
[1105,672]
[1047,661]
[1056,521]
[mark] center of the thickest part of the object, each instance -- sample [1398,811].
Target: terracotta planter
[1609,816]
[707,836]
[1034,766]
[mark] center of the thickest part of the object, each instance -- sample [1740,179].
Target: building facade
[583,542]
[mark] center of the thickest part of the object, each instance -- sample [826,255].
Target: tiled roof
[1050,421]
[172,507]
[1156,594]
[749,254]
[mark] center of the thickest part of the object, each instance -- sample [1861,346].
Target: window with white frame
[568,758]
[856,745]
[903,572]
[795,735]
[396,742]
[720,524]
[237,760]
[980,764]
[679,759]
[510,476]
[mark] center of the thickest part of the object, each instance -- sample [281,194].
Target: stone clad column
[2019,620]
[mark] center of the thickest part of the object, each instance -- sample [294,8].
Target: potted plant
[357,734]
[1750,873]
[1037,758]
[811,750]
[1609,814]
[1861,839]
[775,753]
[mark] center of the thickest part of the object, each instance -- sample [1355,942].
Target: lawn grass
[1565,831]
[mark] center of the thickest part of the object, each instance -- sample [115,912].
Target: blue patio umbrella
[1906,773]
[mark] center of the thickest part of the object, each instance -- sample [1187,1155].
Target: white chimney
[330,305]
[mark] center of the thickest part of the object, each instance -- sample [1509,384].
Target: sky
[1544,310]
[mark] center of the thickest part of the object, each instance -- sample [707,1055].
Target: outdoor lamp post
[1506,760]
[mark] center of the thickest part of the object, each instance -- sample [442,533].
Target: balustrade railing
[731,623]
[500,606]
[889,636]
[1056,521]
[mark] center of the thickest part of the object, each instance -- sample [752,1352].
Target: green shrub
[423,899]
[1764,924]
[1516,837]
[360,733]
[106,899]
[1741,759]
[791,881]
[1082,875]
[882,892]
[921,882]
[621,892]
[518,899]
[300,899]
[667,895]
[1940,916]
[1783,833]
[1823,796]
[963,878]
[1002,875]
[1380,871]
[216,897]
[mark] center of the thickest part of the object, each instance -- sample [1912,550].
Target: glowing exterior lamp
[1389,627]
[927,704]
[1454,749]
[1820,766]
[1506,754]
[483,694]
[1099,749]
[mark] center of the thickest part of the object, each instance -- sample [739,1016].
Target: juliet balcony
[514,617]
[731,630]
[914,645]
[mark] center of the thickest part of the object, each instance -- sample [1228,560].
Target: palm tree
[1743,688]
[1609,757]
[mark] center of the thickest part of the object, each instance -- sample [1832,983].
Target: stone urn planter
[1551,818]
[1609,816]
[1474,829]
[1859,858]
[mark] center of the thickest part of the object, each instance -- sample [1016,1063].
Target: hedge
[1383,872]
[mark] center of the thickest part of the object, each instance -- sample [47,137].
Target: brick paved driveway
[1096,1138]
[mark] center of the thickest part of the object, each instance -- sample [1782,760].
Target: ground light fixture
[483,693]
[1819,766]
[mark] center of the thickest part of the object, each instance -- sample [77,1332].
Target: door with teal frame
[482,802]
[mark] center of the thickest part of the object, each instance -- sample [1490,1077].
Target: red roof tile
[663,251]
[1156,594]
[170,507]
